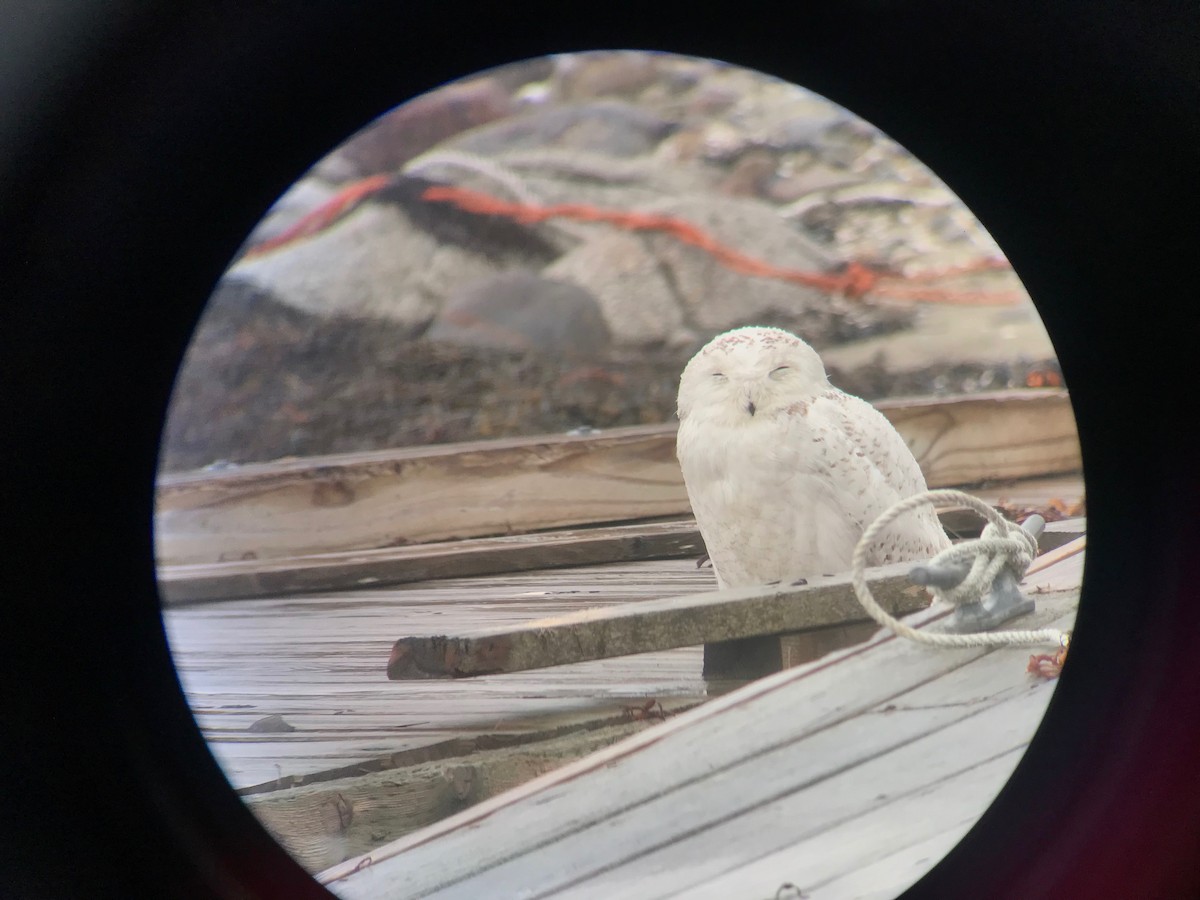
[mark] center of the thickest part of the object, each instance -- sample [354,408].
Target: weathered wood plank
[653,625]
[443,492]
[747,632]
[782,799]
[386,498]
[324,823]
[479,556]
[969,762]
[850,859]
[1032,492]
[755,657]
[741,708]
[1059,553]
[751,750]
[317,660]
[888,877]
[989,437]
[984,708]
[423,562]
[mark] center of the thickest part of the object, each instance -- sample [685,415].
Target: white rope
[1001,544]
[473,162]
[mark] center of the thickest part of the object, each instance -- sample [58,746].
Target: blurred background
[601,210]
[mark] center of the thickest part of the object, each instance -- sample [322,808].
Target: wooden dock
[283,650]
[318,660]
[846,777]
[370,760]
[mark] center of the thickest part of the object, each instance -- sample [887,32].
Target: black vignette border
[140,144]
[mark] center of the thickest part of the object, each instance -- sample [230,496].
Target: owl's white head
[749,374]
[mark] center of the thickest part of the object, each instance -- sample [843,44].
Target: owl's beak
[748,393]
[748,388]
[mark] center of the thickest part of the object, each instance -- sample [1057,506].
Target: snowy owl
[785,471]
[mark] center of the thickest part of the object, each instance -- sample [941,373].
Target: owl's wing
[872,468]
[881,443]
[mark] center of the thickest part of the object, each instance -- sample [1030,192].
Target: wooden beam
[321,824]
[391,498]
[416,495]
[988,437]
[422,562]
[653,625]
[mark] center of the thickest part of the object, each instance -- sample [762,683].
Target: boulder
[628,282]
[716,297]
[605,74]
[605,126]
[371,264]
[395,257]
[522,311]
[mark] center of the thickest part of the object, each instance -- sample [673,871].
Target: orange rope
[854,281]
[324,215]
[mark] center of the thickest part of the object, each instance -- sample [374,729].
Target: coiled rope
[1001,544]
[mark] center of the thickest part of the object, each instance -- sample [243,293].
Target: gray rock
[633,293]
[395,258]
[714,296]
[320,346]
[369,264]
[601,126]
[581,76]
[522,311]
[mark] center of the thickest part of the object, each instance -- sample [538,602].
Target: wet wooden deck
[846,777]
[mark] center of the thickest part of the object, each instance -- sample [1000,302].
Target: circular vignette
[148,144]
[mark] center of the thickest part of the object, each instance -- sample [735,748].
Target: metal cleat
[1002,602]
